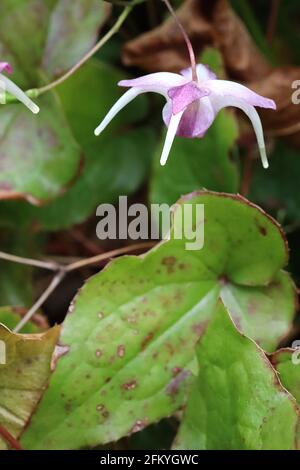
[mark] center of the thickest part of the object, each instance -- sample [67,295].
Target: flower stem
[109,254]
[52,286]
[186,38]
[29,261]
[115,28]
[62,270]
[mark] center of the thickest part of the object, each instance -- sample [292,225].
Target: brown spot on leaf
[199,328]
[176,371]
[149,313]
[98,353]
[139,425]
[223,279]
[101,408]
[169,262]
[121,350]
[170,348]
[178,296]
[146,340]
[174,386]
[68,407]
[129,385]
[182,266]
[166,301]
[132,319]
[262,230]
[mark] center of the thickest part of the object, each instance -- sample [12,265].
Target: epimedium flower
[7,85]
[193,99]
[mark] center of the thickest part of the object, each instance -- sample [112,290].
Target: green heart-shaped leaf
[237,401]
[133,327]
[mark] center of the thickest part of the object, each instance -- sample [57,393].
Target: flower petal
[128,96]
[228,88]
[6,67]
[172,129]
[184,95]
[159,82]
[14,90]
[219,103]
[167,112]
[203,73]
[196,119]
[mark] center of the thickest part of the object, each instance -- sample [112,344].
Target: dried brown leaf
[278,86]
[211,23]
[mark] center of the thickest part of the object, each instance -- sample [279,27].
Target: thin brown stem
[109,254]
[52,266]
[186,38]
[64,269]
[9,438]
[52,286]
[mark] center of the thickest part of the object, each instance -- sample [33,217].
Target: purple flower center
[183,95]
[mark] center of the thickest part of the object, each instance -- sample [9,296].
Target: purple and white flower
[192,105]
[6,85]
